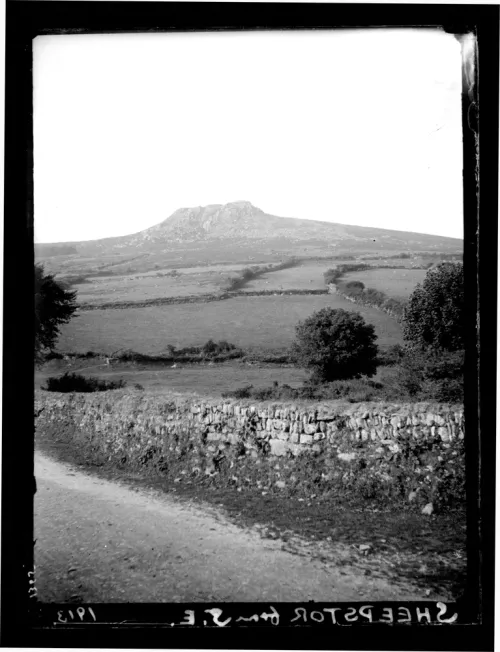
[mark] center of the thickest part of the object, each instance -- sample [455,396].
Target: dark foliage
[54,305]
[354,391]
[392,355]
[355,286]
[270,357]
[211,351]
[336,345]
[333,275]
[242,392]
[79,383]
[431,375]
[356,291]
[434,315]
[253,272]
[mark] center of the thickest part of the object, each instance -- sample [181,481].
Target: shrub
[54,355]
[78,383]
[394,306]
[331,275]
[355,286]
[392,355]
[424,375]
[336,345]
[374,296]
[209,347]
[87,354]
[242,392]
[220,349]
[434,315]
[226,346]
[358,390]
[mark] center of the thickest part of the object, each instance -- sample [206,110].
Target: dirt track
[98,541]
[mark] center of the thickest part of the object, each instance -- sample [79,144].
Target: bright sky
[357,127]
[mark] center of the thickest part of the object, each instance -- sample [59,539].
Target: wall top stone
[430,413]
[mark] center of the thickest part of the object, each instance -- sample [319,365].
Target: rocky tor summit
[241,224]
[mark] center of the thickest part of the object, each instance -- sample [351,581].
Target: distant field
[306,276]
[195,281]
[156,285]
[396,283]
[249,322]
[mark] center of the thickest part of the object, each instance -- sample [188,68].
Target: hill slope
[241,231]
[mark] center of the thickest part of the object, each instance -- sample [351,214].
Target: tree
[434,315]
[54,305]
[336,345]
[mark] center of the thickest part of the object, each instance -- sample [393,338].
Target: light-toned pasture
[305,276]
[248,322]
[396,283]
[199,379]
[156,285]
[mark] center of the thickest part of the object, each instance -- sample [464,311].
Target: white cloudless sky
[357,127]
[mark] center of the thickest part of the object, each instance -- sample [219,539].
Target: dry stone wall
[362,453]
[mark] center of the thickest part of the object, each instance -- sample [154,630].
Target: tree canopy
[54,305]
[336,345]
[434,314]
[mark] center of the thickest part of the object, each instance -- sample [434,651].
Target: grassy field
[157,285]
[196,281]
[208,381]
[248,322]
[306,276]
[199,379]
[396,283]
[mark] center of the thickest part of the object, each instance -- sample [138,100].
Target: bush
[242,392]
[213,349]
[209,347]
[355,286]
[336,345]
[424,375]
[331,275]
[54,355]
[226,346]
[393,306]
[392,355]
[434,315]
[79,383]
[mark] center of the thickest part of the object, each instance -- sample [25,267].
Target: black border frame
[26,20]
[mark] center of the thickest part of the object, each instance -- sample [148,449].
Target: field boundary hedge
[372,298]
[361,295]
[202,298]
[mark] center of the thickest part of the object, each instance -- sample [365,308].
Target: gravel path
[98,541]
